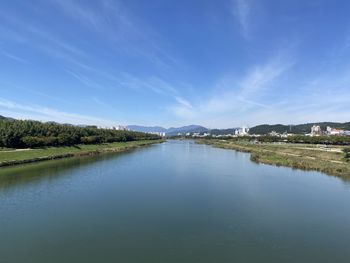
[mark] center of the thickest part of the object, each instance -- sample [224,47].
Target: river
[174,202]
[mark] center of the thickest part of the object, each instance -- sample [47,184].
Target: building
[116,128]
[242,131]
[333,131]
[120,128]
[274,134]
[316,130]
[161,134]
[286,135]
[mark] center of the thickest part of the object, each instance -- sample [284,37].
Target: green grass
[5,149]
[301,156]
[10,155]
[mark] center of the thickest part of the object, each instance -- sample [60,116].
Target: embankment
[297,156]
[13,157]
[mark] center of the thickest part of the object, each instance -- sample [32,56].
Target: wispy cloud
[112,51]
[234,98]
[184,102]
[83,14]
[113,27]
[7,34]
[83,79]
[322,97]
[113,22]
[32,35]
[49,114]
[103,80]
[38,94]
[14,57]
[241,10]
[261,77]
[154,84]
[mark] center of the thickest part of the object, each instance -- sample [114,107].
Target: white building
[161,134]
[332,131]
[121,128]
[274,133]
[316,130]
[242,131]
[117,128]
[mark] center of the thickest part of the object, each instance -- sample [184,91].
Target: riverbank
[10,157]
[300,156]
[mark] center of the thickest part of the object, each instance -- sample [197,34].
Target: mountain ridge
[170,131]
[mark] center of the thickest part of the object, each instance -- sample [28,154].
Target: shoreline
[46,154]
[289,156]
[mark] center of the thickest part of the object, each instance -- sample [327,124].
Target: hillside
[223,131]
[296,129]
[146,128]
[186,129]
[170,131]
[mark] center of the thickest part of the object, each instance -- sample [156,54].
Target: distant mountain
[186,129]
[296,129]
[170,131]
[146,128]
[5,118]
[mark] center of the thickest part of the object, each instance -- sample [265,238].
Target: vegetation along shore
[21,156]
[33,141]
[332,160]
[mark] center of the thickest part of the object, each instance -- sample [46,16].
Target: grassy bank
[20,156]
[301,156]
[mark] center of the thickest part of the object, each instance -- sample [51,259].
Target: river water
[173,202]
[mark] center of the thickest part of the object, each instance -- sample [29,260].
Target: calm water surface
[173,202]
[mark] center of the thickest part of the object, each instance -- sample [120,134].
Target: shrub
[90,139]
[346,152]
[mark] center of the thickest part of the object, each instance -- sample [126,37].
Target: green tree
[346,152]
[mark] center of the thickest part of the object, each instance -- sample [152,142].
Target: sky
[218,63]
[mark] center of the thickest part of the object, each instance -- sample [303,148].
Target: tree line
[329,140]
[296,129]
[27,133]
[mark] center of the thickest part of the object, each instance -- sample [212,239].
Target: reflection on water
[48,170]
[32,173]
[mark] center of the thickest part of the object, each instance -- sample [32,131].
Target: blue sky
[170,63]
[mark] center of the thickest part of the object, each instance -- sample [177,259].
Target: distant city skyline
[219,64]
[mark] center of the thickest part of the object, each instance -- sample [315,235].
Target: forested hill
[26,133]
[223,131]
[296,129]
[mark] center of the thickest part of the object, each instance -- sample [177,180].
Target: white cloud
[38,36]
[21,111]
[183,102]
[153,83]
[241,10]
[268,94]
[235,98]
[124,33]
[262,77]
[86,80]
